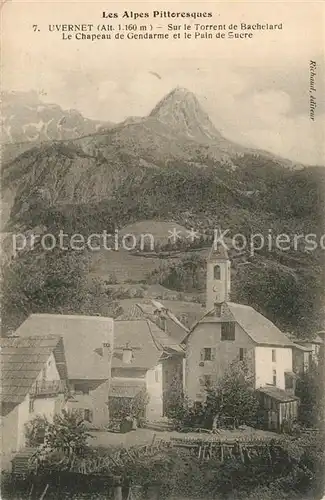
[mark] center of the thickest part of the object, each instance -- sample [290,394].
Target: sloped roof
[83,337]
[278,394]
[126,388]
[304,347]
[22,360]
[260,329]
[175,309]
[146,311]
[138,334]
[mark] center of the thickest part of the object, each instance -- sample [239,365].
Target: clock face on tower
[215,288]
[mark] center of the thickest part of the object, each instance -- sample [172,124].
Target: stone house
[88,344]
[34,382]
[228,332]
[146,358]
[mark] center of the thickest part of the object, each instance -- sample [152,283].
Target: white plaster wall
[264,366]
[43,407]
[155,390]
[50,371]
[209,335]
[99,398]
[217,290]
[9,438]
[23,417]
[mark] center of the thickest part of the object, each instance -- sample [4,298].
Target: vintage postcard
[162,250]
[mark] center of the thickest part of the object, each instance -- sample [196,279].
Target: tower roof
[218,252]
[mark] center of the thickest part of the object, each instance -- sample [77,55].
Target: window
[273,355]
[157,378]
[228,331]
[207,380]
[80,388]
[217,310]
[88,415]
[207,354]
[242,354]
[31,405]
[274,377]
[217,272]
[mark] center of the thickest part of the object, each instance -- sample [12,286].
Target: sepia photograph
[162,250]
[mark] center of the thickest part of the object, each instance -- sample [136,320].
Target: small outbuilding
[280,408]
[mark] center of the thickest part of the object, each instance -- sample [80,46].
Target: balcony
[49,388]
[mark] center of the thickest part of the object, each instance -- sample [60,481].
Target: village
[126,377]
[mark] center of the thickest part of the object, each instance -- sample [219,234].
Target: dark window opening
[242,354]
[207,354]
[81,389]
[274,377]
[217,310]
[217,272]
[273,355]
[228,331]
[31,405]
[88,415]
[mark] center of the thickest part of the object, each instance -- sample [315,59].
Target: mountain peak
[180,109]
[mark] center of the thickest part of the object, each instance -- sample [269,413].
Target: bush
[35,430]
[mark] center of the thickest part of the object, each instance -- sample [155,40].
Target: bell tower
[218,277]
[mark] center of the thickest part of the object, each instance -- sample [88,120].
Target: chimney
[127,354]
[108,345]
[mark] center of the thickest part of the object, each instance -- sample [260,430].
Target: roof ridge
[155,341]
[71,316]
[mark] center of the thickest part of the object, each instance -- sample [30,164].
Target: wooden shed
[280,408]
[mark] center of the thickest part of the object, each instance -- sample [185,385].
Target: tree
[35,430]
[233,396]
[67,434]
[310,389]
[54,281]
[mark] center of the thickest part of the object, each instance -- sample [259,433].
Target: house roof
[147,311]
[278,394]
[83,337]
[125,388]
[260,329]
[154,310]
[22,360]
[174,309]
[304,347]
[139,335]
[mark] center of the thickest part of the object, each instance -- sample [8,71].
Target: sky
[256,91]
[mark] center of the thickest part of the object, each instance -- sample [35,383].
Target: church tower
[218,277]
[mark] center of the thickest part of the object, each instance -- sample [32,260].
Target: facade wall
[92,395]
[154,388]
[208,335]
[9,438]
[217,290]
[265,368]
[99,397]
[23,417]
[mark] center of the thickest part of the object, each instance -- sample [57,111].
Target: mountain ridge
[130,157]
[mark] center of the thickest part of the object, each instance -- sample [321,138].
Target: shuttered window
[228,331]
[242,353]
